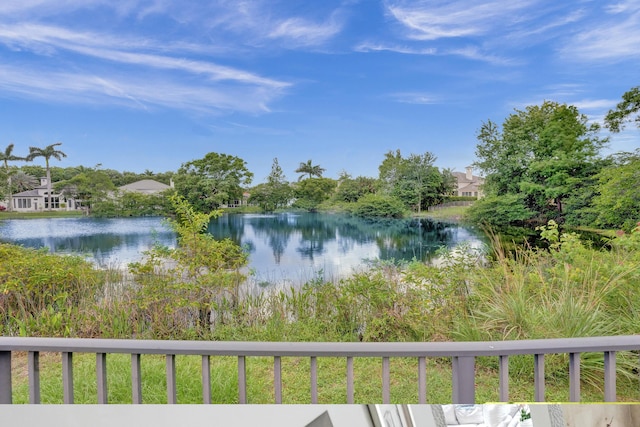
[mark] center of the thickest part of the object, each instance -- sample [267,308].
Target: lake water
[283,248]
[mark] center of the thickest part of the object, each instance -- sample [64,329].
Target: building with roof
[469,185]
[145,186]
[37,200]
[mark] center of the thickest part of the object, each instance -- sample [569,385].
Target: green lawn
[42,214]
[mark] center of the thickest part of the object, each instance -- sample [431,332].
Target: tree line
[544,162]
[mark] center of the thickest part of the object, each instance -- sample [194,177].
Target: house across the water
[469,184]
[37,199]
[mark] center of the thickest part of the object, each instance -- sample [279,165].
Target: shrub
[40,293]
[375,206]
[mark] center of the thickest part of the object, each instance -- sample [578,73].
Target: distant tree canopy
[276,193]
[543,156]
[209,182]
[309,169]
[311,192]
[414,180]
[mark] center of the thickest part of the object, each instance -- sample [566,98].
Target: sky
[137,85]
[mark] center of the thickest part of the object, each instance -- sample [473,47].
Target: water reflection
[298,246]
[283,248]
[107,242]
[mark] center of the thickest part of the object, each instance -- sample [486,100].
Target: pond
[288,248]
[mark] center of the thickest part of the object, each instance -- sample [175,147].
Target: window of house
[55,202]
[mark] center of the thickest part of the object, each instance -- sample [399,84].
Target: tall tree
[414,180]
[212,181]
[275,193]
[310,169]
[542,156]
[47,152]
[630,104]
[22,181]
[6,157]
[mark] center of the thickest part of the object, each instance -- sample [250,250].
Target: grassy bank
[453,213]
[41,214]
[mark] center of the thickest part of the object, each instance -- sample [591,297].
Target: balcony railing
[462,355]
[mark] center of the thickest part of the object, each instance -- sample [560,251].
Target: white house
[38,200]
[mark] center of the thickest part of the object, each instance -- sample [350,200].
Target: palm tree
[7,157]
[23,181]
[309,169]
[47,152]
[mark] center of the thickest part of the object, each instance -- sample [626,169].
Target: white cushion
[449,415]
[469,414]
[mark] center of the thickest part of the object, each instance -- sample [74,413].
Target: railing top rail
[323,349]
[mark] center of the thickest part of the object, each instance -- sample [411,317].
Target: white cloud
[595,104]
[415,98]
[134,92]
[301,32]
[379,47]
[611,39]
[431,20]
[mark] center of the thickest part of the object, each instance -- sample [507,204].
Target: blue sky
[151,84]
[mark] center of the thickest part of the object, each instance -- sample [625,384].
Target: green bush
[375,206]
[41,293]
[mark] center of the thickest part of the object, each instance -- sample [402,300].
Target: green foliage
[414,180]
[543,155]
[192,286]
[88,188]
[276,193]
[134,204]
[40,292]
[311,192]
[500,211]
[351,190]
[374,206]
[214,180]
[624,111]
[310,169]
[618,201]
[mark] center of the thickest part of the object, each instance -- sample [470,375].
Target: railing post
[67,377]
[206,379]
[277,378]
[350,380]
[136,379]
[422,380]
[314,379]
[386,381]
[504,378]
[242,380]
[609,376]
[574,377]
[5,377]
[33,362]
[101,374]
[172,395]
[538,374]
[464,379]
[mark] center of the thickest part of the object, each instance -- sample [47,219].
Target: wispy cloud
[612,38]
[432,20]
[380,47]
[301,32]
[469,52]
[415,98]
[134,92]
